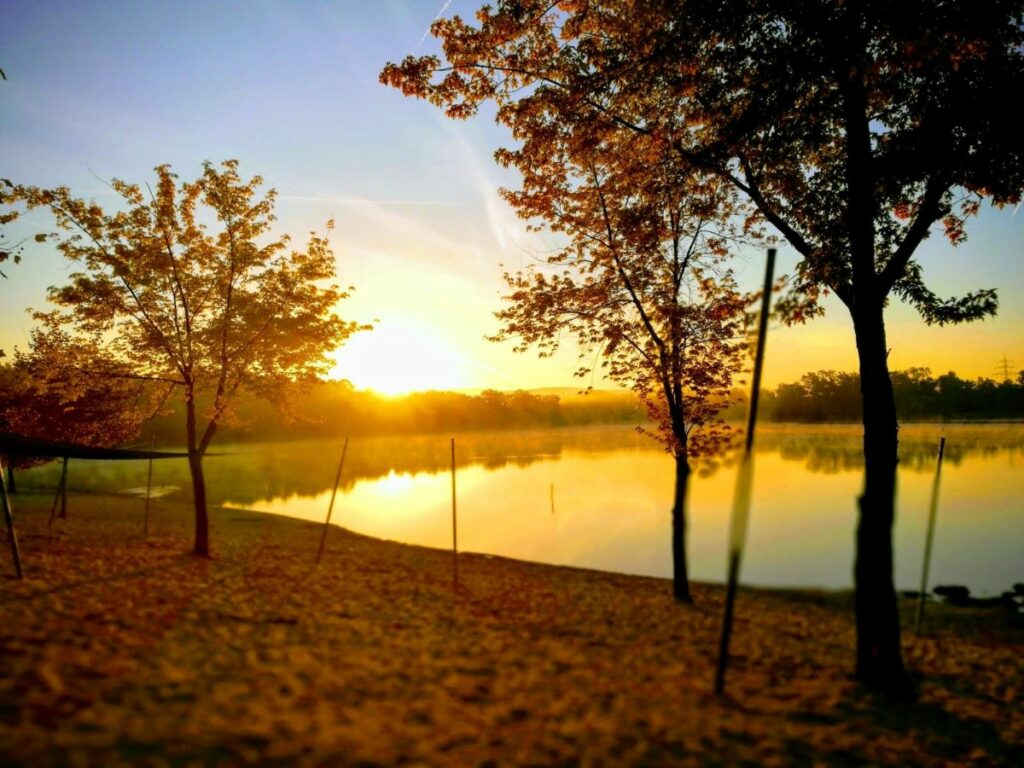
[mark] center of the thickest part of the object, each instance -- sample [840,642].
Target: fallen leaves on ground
[118,650]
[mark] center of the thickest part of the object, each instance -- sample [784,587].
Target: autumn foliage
[853,129]
[184,287]
[121,652]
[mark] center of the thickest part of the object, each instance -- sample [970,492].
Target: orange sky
[291,91]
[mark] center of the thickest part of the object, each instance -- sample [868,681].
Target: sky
[104,90]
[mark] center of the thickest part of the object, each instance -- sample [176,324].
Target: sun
[398,357]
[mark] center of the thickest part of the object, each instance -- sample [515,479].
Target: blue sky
[111,89]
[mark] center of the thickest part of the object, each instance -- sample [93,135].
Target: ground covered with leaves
[119,650]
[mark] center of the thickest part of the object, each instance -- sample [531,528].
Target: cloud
[507,229]
[362,201]
[394,229]
[427,30]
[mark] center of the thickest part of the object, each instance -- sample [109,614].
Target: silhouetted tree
[184,288]
[640,283]
[851,127]
[45,397]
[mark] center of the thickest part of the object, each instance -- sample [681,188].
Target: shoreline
[121,651]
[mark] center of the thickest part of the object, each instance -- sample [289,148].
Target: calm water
[612,489]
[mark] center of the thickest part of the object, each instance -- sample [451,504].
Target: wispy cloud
[404,231]
[427,30]
[507,229]
[363,201]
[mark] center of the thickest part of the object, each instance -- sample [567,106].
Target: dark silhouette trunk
[63,490]
[12,486]
[201,546]
[879,657]
[202,540]
[680,578]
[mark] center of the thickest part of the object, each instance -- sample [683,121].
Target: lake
[599,497]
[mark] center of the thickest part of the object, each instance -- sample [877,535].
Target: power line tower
[1004,367]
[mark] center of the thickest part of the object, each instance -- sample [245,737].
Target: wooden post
[330,507]
[744,481]
[933,508]
[64,490]
[455,527]
[12,535]
[59,494]
[149,487]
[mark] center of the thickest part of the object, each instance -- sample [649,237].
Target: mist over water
[612,495]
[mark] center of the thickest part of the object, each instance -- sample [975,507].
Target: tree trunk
[879,657]
[202,539]
[64,489]
[680,578]
[201,546]
[12,486]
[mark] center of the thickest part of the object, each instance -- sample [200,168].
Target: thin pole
[12,535]
[330,507]
[933,509]
[552,498]
[744,480]
[58,494]
[455,526]
[149,487]
[64,491]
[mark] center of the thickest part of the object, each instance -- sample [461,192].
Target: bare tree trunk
[202,538]
[879,657]
[680,578]
[12,486]
[64,489]
[201,546]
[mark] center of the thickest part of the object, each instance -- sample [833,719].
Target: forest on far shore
[335,408]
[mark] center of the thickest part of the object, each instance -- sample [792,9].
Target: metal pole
[744,480]
[455,527]
[9,521]
[149,488]
[933,509]
[330,507]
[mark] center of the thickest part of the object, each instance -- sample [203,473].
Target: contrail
[427,30]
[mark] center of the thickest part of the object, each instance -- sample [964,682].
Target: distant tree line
[834,396]
[335,408]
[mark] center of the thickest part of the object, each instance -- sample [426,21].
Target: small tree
[44,395]
[47,393]
[639,283]
[184,288]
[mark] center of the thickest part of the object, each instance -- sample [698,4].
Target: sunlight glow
[394,484]
[397,357]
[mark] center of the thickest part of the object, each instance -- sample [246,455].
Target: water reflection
[252,472]
[612,490]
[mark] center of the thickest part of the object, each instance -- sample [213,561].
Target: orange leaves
[114,651]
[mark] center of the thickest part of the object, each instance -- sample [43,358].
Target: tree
[184,288]
[8,251]
[852,128]
[639,283]
[45,395]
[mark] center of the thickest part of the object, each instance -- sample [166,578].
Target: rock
[954,594]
